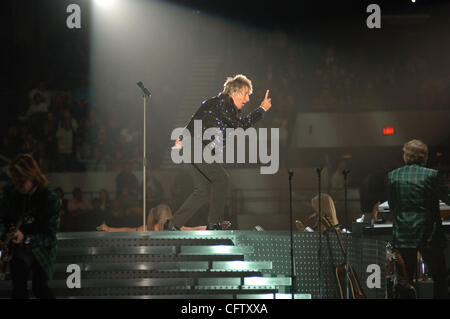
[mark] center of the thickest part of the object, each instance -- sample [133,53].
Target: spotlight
[105,3]
[413,1]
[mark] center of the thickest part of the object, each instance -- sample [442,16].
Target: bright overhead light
[105,3]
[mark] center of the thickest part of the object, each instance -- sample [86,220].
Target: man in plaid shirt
[414,192]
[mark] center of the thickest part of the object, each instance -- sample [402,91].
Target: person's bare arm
[106,228]
[193,228]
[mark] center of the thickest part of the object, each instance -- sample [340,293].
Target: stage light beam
[106,3]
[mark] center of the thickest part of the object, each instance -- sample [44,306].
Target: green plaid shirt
[413,195]
[41,226]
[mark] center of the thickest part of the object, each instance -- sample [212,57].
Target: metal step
[136,288]
[255,281]
[215,266]
[156,250]
[144,250]
[201,264]
[138,242]
[161,274]
[215,250]
[234,283]
[161,266]
[130,258]
[174,296]
[240,265]
[150,235]
[208,296]
[158,292]
[274,296]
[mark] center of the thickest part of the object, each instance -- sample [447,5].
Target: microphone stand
[291,173]
[345,173]
[146,94]
[319,171]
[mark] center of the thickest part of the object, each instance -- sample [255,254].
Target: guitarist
[413,195]
[29,202]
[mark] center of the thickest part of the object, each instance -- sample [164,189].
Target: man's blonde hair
[416,152]
[236,84]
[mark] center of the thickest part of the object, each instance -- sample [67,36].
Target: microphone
[144,89]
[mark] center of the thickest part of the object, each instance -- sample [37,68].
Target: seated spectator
[39,105]
[41,90]
[48,147]
[83,158]
[65,135]
[118,158]
[155,222]
[95,217]
[130,206]
[78,205]
[114,217]
[337,179]
[325,102]
[105,202]
[129,133]
[99,162]
[101,206]
[126,179]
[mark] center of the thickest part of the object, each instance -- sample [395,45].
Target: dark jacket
[40,225]
[413,195]
[220,112]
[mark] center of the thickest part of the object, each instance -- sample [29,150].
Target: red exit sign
[388,130]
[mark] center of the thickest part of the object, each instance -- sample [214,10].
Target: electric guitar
[7,250]
[355,291]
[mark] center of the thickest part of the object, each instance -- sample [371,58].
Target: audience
[126,179]
[78,205]
[68,123]
[65,136]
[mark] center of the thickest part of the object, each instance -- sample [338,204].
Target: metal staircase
[203,264]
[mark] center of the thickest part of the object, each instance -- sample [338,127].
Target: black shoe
[169,227]
[224,225]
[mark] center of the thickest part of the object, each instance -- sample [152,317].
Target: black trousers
[434,258]
[210,186]
[21,265]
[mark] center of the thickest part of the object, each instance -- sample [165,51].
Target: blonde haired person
[29,213]
[210,179]
[328,209]
[155,222]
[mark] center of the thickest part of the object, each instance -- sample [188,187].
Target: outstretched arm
[193,228]
[106,228]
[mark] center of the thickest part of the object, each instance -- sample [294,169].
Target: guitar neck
[338,234]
